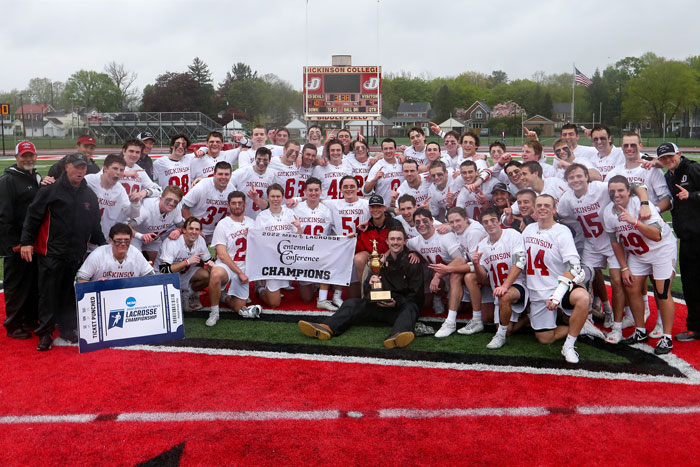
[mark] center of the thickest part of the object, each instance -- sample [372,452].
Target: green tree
[443,104]
[92,89]
[205,92]
[172,92]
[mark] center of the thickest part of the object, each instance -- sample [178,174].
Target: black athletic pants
[56,294]
[689,257]
[21,294]
[356,310]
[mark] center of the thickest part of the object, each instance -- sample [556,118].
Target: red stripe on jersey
[42,240]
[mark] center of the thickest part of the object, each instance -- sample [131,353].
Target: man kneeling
[398,275]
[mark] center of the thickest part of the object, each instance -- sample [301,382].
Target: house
[410,114]
[543,124]
[34,112]
[561,113]
[477,115]
[54,128]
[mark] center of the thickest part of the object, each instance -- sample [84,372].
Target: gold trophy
[377,293]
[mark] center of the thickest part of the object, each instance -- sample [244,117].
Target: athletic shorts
[273,285]
[541,317]
[661,267]
[234,285]
[152,246]
[600,259]
[486,294]
[186,277]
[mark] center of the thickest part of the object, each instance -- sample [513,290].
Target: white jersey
[202,167]
[438,249]
[276,222]
[233,235]
[547,170]
[588,212]
[246,179]
[208,204]
[287,176]
[418,156]
[653,179]
[632,239]
[246,157]
[101,263]
[140,182]
[330,176]
[411,231]
[472,235]
[587,163]
[497,258]
[468,201]
[420,193]
[177,251]
[547,252]
[480,163]
[347,216]
[167,171]
[438,200]
[605,164]
[450,162]
[316,221]
[151,220]
[360,170]
[390,181]
[114,203]
[585,152]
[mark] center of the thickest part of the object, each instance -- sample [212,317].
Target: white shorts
[234,285]
[152,246]
[660,267]
[273,285]
[520,305]
[486,294]
[596,259]
[541,317]
[186,277]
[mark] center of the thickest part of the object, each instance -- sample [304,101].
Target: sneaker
[597,310]
[193,302]
[636,337]
[250,312]
[326,305]
[609,320]
[447,328]
[438,307]
[589,329]
[614,337]
[337,302]
[472,327]
[627,322]
[664,346]
[319,331]
[400,339]
[497,342]
[45,342]
[570,354]
[657,332]
[687,336]
[422,329]
[213,318]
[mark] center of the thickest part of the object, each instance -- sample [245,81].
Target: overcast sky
[434,38]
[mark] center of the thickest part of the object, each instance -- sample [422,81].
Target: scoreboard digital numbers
[342,92]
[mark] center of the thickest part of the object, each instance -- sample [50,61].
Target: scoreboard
[342,92]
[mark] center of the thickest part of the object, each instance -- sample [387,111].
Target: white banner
[279,255]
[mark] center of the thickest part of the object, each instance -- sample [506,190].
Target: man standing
[86,146]
[18,187]
[202,167]
[608,156]
[683,179]
[387,174]
[145,161]
[174,169]
[398,275]
[254,180]
[207,199]
[60,222]
[413,184]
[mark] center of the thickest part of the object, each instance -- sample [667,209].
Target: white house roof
[233,125]
[296,124]
[451,123]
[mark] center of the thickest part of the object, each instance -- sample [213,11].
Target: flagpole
[573,94]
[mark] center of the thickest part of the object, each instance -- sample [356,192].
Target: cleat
[193,302]
[337,302]
[319,331]
[627,322]
[45,342]
[497,342]
[438,307]
[609,320]
[614,337]
[687,336]
[636,337]
[422,329]
[446,329]
[570,354]
[589,329]
[326,305]
[597,310]
[657,332]
[400,339]
[213,318]
[472,327]
[250,312]
[664,346]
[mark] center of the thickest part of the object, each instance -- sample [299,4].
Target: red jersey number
[536,263]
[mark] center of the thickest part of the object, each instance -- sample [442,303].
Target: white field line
[692,377]
[333,414]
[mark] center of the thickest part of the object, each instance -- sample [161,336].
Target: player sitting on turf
[118,260]
[400,276]
[187,255]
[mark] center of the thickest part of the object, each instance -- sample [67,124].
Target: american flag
[581,78]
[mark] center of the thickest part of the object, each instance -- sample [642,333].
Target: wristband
[636,224]
[187,261]
[624,269]
[644,203]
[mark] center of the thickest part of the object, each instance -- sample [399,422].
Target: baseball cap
[144,135]
[87,140]
[500,186]
[376,200]
[76,159]
[665,149]
[24,146]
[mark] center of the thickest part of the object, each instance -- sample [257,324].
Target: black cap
[376,200]
[500,186]
[665,149]
[76,159]
[144,135]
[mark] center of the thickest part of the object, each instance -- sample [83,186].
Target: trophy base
[380,295]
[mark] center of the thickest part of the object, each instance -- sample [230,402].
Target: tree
[660,91]
[443,103]
[123,79]
[92,89]
[205,93]
[200,72]
[172,92]
[498,77]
